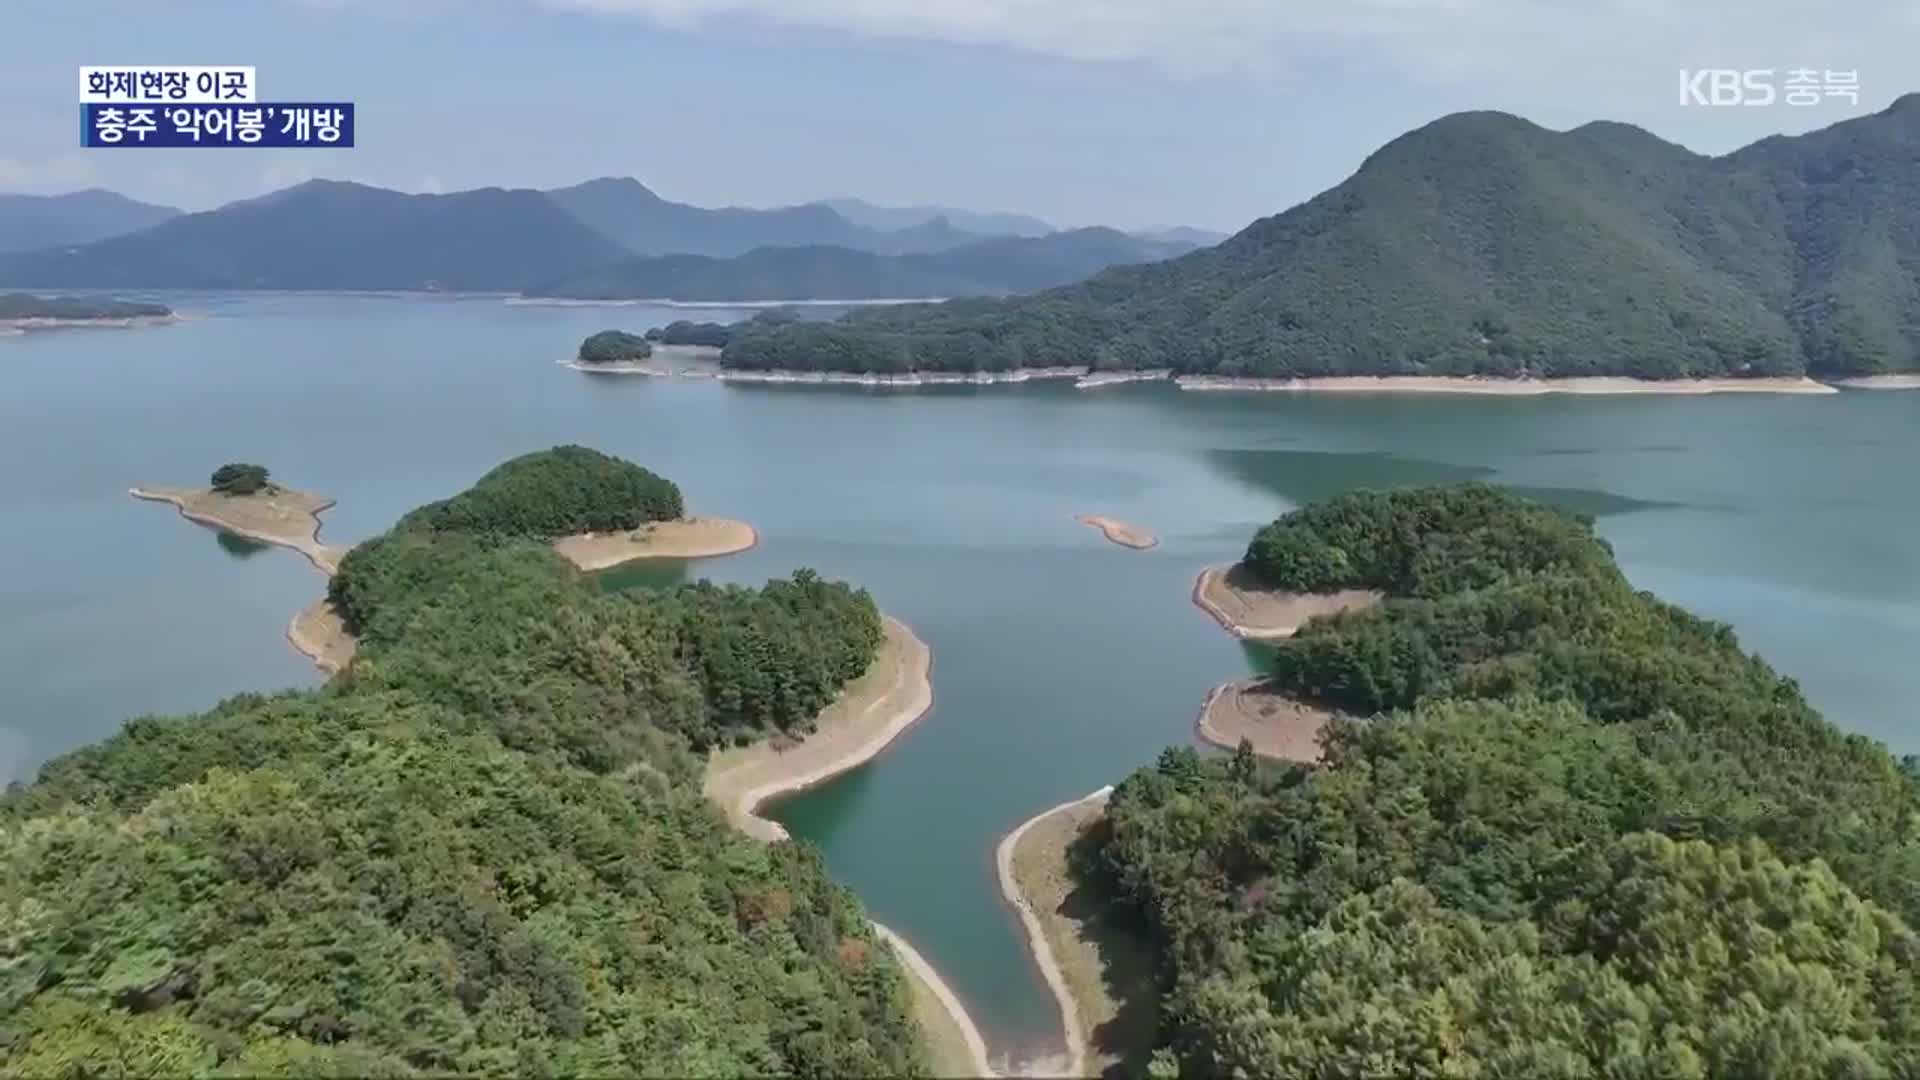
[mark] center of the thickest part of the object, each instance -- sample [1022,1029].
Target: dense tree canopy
[685,332]
[239,478]
[1482,244]
[29,306]
[1580,833]
[553,493]
[614,347]
[483,849]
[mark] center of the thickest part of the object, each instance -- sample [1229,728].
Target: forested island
[1560,828]
[1485,246]
[27,311]
[484,849]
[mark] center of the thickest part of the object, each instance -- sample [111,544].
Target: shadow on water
[1309,476]
[238,546]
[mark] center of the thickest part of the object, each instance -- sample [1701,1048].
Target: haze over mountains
[327,234]
[994,267]
[1482,244]
[28,222]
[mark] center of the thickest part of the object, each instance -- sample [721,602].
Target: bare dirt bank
[1131,536]
[282,516]
[686,538]
[1438,384]
[1246,609]
[869,714]
[320,634]
[1101,979]
[1279,728]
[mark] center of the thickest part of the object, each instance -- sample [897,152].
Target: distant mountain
[331,235]
[818,272]
[1484,244]
[895,218]
[1180,234]
[646,224]
[28,222]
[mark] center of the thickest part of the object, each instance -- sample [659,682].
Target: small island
[243,500]
[616,352]
[20,312]
[1119,532]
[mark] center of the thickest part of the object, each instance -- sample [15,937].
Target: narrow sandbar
[1279,727]
[1248,610]
[277,515]
[685,538]
[1082,959]
[1441,384]
[1130,536]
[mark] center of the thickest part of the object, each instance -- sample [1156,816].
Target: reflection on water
[240,547]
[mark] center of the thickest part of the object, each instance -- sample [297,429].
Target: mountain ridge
[1484,244]
[30,222]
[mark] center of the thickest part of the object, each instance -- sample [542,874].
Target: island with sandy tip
[1119,532]
[680,538]
[272,515]
[1248,609]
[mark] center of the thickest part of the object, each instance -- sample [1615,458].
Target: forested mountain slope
[482,849]
[1484,244]
[1578,832]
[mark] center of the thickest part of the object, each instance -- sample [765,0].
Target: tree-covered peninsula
[21,307]
[483,849]
[1482,244]
[1563,830]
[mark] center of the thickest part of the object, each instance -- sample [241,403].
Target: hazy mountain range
[1485,244]
[28,222]
[993,267]
[327,234]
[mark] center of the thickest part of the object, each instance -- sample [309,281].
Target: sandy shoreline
[684,538]
[127,323]
[1093,380]
[1073,1023]
[1440,384]
[905,379]
[869,715]
[1880,382]
[1245,610]
[955,1048]
[1119,532]
[320,634]
[1280,728]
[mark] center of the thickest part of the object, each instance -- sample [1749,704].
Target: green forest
[1482,244]
[552,493]
[482,849]
[1562,829]
[613,347]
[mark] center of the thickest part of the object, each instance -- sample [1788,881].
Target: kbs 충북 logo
[1763,86]
[174,106]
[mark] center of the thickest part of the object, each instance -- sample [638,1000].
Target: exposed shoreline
[681,538]
[1093,380]
[901,379]
[1880,382]
[1280,615]
[1072,1024]
[1282,729]
[1119,532]
[870,713]
[125,322]
[319,634]
[1604,385]
[568,301]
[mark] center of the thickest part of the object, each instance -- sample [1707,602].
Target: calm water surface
[1061,662]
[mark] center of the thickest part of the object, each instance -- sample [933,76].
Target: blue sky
[1124,112]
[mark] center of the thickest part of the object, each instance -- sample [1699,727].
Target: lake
[1061,662]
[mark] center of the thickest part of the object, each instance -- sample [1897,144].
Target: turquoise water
[1060,661]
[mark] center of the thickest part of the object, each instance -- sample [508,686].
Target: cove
[1061,662]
